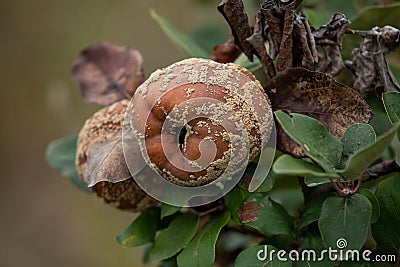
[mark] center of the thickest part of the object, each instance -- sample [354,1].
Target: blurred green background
[44,219]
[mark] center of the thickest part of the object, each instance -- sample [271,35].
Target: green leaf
[364,157]
[376,211]
[354,138]
[312,211]
[291,199]
[200,252]
[169,263]
[142,230]
[372,16]
[235,198]
[60,155]
[172,239]
[265,215]
[267,184]
[345,218]
[167,210]
[250,257]
[289,165]
[243,61]
[386,230]
[316,141]
[310,238]
[391,101]
[231,241]
[182,42]
[314,181]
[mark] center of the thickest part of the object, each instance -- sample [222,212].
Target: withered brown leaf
[319,96]
[235,15]
[106,162]
[257,41]
[330,37]
[108,73]
[369,64]
[226,52]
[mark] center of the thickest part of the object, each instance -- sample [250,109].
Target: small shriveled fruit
[100,160]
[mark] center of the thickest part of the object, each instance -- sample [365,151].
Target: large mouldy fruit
[100,158]
[181,107]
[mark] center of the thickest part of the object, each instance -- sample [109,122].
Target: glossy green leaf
[257,256]
[167,210]
[386,230]
[182,42]
[172,239]
[354,138]
[142,230]
[316,141]
[312,211]
[289,165]
[345,218]
[391,101]
[364,157]
[265,215]
[376,211]
[60,154]
[200,252]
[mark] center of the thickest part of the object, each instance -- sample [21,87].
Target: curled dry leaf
[319,96]
[369,64]
[257,41]
[226,52]
[234,13]
[330,37]
[283,29]
[108,73]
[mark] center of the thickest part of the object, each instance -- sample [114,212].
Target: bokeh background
[44,220]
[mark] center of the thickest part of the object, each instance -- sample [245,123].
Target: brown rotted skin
[179,83]
[102,126]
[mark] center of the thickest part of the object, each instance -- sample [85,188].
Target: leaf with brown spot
[248,211]
[319,96]
[265,215]
[226,52]
[108,73]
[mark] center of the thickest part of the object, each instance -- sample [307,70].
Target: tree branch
[372,173]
